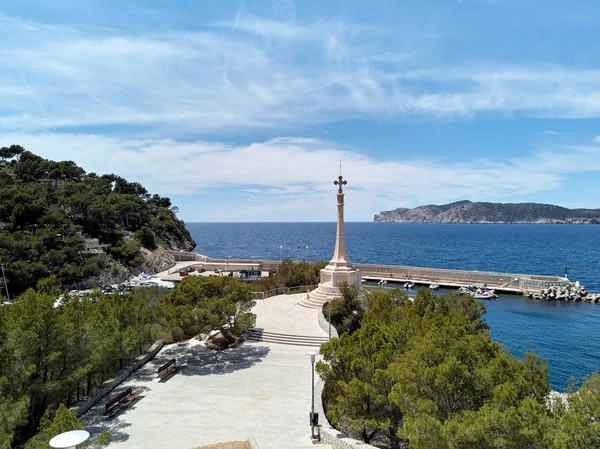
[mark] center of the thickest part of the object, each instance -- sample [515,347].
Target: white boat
[434,286]
[485,295]
[409,284]
[382,282]
[478,291]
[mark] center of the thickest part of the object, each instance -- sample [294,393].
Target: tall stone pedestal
[339,269]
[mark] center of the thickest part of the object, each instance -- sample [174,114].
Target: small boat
[478,291]
[382,282]
[434,286]
[363,281]
[409,284]
[485,295]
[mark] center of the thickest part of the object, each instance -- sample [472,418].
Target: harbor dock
[514,283]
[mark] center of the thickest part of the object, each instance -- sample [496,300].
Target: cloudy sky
[243,110]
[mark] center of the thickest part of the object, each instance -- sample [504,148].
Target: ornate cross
[340,182]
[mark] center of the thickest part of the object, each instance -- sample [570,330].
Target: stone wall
[110,385]
[329,435]
[324,324]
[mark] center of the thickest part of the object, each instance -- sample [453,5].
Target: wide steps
[311,303]
[284,339]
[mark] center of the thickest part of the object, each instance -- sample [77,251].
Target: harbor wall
[507,282]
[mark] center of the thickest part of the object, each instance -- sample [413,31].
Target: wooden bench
[120,401]
[167,369]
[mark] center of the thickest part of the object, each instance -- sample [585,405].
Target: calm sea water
[562,333]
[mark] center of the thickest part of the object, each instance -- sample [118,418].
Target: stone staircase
[313,302]
[284,339]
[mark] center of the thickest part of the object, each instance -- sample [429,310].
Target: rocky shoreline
[572,292]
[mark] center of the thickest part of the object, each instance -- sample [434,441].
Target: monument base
[331,278]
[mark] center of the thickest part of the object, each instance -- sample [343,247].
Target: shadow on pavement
[201,361]
[116,427]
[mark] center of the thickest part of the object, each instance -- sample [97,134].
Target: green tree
[346,312]
[64,420]
[427,372]
[579,419]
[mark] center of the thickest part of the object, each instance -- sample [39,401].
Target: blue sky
[242,110]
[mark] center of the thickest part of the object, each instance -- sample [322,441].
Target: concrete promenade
[258,389]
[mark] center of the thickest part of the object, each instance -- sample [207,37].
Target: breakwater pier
[521,284]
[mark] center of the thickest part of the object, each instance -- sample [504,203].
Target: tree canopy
[48,209]
[428,374]
[58,352]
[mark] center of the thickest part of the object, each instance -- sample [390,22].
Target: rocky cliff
[474,212]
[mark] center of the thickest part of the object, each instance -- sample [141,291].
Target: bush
[145,236]
[346,312]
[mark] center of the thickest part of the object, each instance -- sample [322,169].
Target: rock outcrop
[469,212]
[573,292]
[157,260]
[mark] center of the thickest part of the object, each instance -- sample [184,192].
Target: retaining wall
[110,385]
[324,324]
[329,435]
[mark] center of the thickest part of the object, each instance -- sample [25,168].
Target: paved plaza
[258,389]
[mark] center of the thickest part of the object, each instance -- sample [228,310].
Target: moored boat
[478,291]
[485,295]
[409,284]
[434,286]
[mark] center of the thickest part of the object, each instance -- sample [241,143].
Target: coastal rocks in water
[573,292]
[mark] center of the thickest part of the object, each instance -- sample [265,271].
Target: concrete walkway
[258,389]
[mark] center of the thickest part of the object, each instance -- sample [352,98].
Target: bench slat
[123,403]
[111,402]
[166,365]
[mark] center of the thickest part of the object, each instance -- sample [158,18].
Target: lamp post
[329,319]
[4,281]
[314,418]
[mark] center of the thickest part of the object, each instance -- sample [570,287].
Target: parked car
[183,273]
[191,269]
[201,270]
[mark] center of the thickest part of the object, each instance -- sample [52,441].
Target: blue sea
[562,333]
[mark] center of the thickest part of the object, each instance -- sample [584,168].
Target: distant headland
[480,212]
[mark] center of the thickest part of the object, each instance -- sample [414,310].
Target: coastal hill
[85,229]
[479,212]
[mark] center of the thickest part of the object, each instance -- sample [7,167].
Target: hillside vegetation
[52,357]
[48,209]
[425,374]
[469,212]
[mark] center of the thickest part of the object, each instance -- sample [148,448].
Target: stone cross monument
[339,268]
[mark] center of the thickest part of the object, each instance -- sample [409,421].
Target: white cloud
[597,139]
[291,178]
[246,74]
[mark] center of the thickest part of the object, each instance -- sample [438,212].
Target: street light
[314,418]
[4,280]
[329,298]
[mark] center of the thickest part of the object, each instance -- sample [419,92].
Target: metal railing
[283,291]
